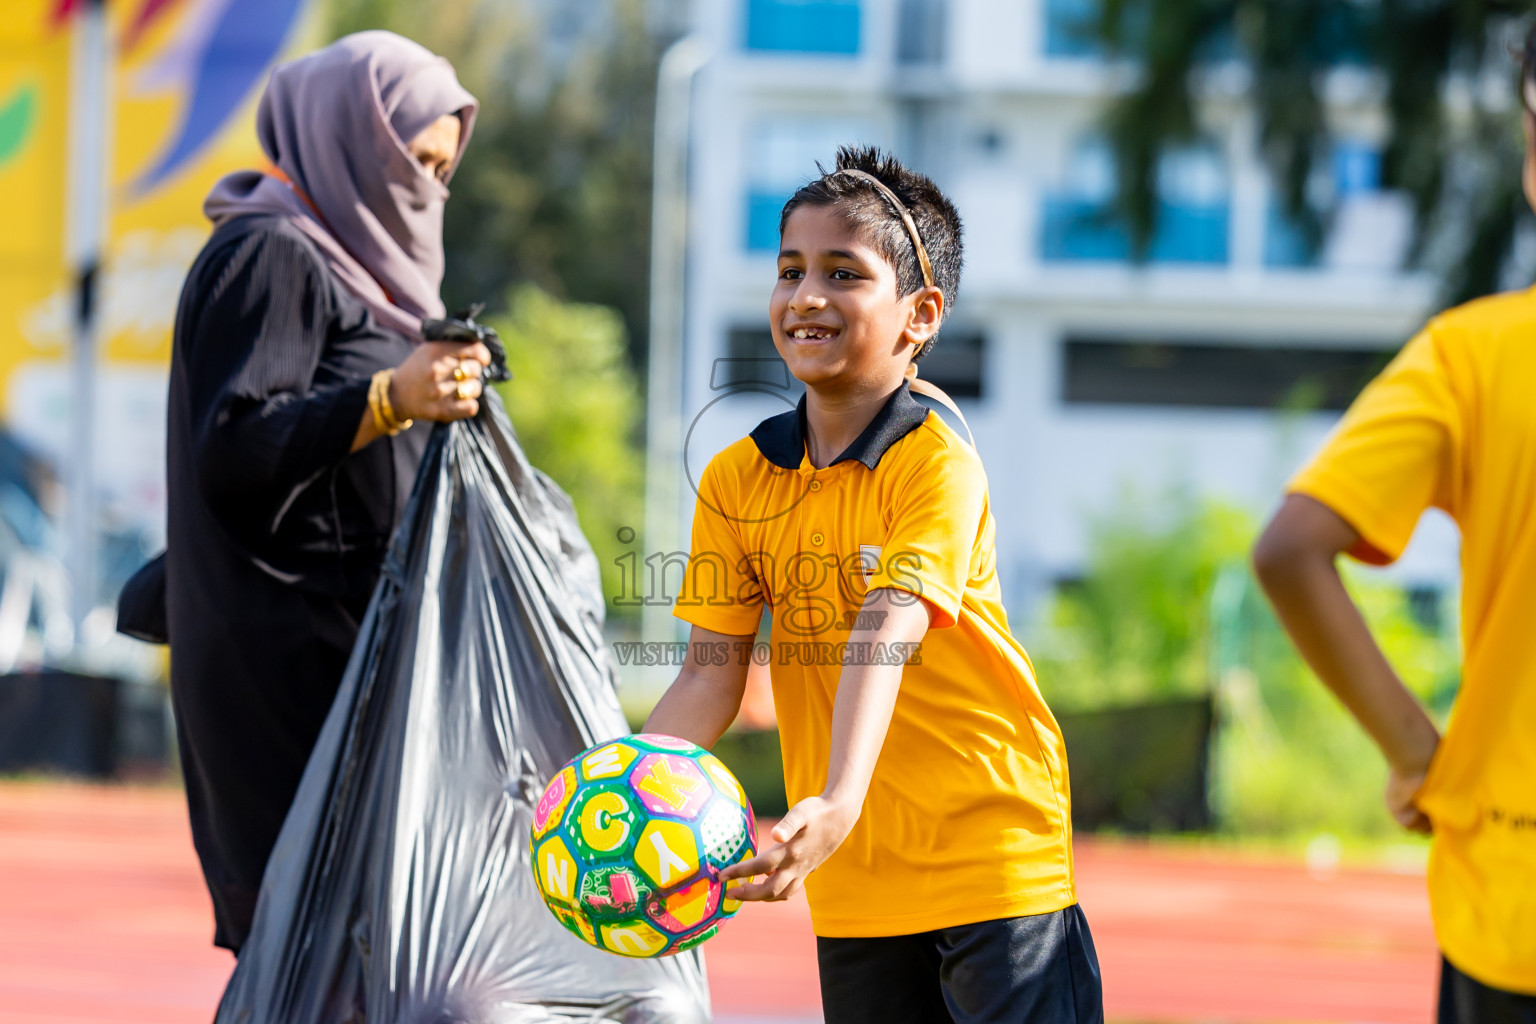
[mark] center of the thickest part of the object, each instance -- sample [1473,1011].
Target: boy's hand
[866,696]
[1295,562]
[1402,787]
[805,837]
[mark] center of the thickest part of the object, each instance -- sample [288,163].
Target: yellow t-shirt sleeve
[721,589]
[929,544]
[1393,454]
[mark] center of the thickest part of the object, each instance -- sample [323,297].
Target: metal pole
[89,135]
[664,386]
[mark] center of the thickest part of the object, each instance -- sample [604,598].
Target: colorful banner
[185,80]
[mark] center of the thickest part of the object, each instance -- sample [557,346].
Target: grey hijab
[336,123]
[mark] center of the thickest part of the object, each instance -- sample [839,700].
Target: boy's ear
[927,314]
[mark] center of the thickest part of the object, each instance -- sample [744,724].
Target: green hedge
[1134,769]
[755,759]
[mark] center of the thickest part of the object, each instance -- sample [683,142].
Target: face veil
[335,125]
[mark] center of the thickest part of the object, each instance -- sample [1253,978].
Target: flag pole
[85,219]
[664,387]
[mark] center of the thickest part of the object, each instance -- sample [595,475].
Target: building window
[1353,170]
[751,359]
[1072,30]
[920,31]
[782,154]
[1356,168]
[1193,209]
[1100,371]
[1285,245]
[763,209]
[956,362]
[803,26]
[1069,28]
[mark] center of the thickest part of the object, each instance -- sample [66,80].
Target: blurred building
[179,87]
[182,82]
[1214,367]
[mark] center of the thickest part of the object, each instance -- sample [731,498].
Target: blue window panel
[1356,168]
[1190,234]
[803,26]
[1069,28]
[1284,244]
[1072,229]
[1221,47]
[1344,34]
[763,209]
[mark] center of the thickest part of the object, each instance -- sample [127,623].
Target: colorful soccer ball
[629,840]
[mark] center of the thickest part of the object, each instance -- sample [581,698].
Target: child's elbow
[1272,553]
[1289,544]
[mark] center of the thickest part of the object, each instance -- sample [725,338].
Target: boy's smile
[837,320]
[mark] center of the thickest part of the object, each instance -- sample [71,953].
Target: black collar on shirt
[781,438]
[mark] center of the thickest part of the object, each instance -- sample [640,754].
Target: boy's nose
[807,297]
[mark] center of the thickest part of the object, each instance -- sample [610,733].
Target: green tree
[1289,760]
[575,403]
[1167,608]
[1137,627]
[1458,162]
[555,187]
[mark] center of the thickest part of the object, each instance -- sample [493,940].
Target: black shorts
[1021,970]
[1464,1000]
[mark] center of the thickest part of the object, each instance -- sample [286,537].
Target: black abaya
[276,531]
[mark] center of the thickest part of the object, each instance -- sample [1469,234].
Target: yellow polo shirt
[967,815]
[1452,423]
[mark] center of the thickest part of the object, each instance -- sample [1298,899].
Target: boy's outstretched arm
[1295,562]
[705,698]
[866,696]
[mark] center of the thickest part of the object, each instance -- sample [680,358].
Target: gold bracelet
[379,420]
[373,404]
[378,403]
[389,409]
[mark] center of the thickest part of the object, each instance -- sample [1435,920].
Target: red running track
[104,920]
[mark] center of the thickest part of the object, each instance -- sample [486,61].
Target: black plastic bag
[141,604]
[399,891]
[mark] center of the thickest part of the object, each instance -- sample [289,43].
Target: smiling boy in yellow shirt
[930,824]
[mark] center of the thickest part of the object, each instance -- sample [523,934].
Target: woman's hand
[439,381]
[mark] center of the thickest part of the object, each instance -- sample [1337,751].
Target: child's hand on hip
[1406,780]
[804,838]
[1402,790]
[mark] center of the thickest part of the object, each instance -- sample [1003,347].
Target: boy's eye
[790,274]
[844,274]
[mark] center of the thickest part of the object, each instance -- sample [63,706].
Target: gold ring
[459,372]
[463,392]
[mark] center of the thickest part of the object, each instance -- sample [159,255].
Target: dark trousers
[1465,1001]
[1022,970]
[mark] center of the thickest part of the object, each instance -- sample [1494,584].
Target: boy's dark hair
[871,214]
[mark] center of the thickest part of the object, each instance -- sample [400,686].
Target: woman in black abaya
[298,369]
